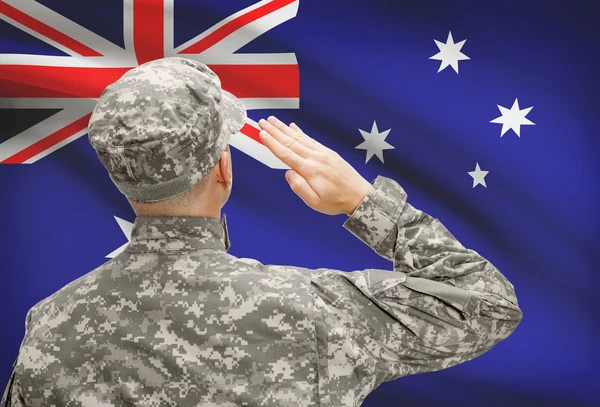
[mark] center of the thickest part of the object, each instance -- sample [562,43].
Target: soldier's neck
[211,211]
[207,213]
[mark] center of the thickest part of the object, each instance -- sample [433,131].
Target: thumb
[301,187]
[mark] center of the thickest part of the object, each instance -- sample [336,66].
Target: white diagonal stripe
[42,130]
[256,150]
[245,34]
[220,24]
[38,36]
[249,32]
[67,27]
[56,146]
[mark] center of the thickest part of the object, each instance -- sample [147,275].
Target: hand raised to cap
[318,175]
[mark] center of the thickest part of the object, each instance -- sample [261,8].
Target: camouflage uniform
[175,320]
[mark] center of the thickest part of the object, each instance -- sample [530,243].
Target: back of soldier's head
[162,127]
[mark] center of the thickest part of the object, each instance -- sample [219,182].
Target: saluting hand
[318,175]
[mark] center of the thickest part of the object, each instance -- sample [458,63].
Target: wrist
[360,196]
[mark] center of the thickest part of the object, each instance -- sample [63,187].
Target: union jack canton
[73,83]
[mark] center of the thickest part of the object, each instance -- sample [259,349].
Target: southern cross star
[478,176]
[513,118]
[374,142]
[449,53]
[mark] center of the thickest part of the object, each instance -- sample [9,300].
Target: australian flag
[484,112]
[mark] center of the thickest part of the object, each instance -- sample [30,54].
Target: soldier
[175,320]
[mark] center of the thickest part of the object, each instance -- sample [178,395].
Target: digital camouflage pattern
[163,126]
[175,320]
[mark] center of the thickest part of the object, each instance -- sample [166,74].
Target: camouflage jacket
[175,320]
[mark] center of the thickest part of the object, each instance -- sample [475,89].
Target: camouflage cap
[163,126]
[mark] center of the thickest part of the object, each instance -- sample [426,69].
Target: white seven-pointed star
[126,228]
[478,176]
[449,53]
[513,118]
[374,142]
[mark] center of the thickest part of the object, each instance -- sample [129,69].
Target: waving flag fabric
[484,113]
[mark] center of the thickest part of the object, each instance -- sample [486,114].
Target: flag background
[359,62]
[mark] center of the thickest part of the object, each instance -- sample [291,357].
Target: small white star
[374,142]
[478,176]
[513,118]
[449,53]
[126,228]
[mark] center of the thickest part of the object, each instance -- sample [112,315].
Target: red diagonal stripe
[46,30]
[149,29]
[47,142]
[235,24]
[251,132]
[244,81]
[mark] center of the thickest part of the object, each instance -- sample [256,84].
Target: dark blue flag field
[484,112]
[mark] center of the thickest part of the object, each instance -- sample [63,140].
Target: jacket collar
[178,233]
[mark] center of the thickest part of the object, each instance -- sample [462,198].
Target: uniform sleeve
[12,396]
[442,304]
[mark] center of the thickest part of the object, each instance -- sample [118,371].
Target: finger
[311,142]
[298,129]
[289,157]
[301,188]
[286,140]
[286,136]
[302,137]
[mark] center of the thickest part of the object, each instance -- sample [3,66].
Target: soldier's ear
[224,172]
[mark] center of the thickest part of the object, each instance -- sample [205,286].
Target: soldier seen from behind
[176,320]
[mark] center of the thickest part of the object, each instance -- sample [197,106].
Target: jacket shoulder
[81,285]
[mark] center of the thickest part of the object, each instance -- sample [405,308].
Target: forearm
[421,247]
